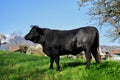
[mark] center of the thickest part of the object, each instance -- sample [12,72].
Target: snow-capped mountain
[6,40]
[2,38]
[12,41]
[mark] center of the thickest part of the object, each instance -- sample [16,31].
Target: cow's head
[35,34]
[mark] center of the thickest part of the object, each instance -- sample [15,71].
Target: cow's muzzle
[26,37]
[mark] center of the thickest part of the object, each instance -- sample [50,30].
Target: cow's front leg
[51,62]
[57,62]
[88,58]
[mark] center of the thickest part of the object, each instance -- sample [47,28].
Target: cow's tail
[98,47]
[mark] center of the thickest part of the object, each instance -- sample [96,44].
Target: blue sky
[18,15]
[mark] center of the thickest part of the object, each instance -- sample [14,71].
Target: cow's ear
[34,26]
[37,28]
[31,26]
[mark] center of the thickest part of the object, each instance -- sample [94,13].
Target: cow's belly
[71,51]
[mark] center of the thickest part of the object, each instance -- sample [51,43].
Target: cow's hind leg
[51,62]
[96,55]
[88,58]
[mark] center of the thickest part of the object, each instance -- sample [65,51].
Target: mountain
[106,48]
[2,38]
[13,41]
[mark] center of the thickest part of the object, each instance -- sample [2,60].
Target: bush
[23,47]
[28,49]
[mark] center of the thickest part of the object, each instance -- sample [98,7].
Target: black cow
[61,42]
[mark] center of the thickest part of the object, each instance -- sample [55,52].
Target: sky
[18,15]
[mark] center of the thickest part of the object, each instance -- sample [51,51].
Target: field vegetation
[19,66]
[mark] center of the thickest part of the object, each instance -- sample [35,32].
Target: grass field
[19,66]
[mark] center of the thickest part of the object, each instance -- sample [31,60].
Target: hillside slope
[19,66]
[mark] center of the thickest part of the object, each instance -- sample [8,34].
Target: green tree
[106,11]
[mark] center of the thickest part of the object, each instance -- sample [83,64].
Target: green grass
[19,66]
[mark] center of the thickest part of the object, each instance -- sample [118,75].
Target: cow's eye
[31,32]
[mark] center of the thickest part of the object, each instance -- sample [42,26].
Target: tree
[106,11]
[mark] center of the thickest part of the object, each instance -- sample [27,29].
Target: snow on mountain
[2,37]
[6,40]
[9,41]
[13,41]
